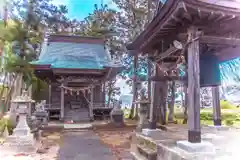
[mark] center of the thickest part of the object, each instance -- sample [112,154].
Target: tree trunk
[9,95]
[109,99]
[132,114]
[16,92]
[185,115]
[171,104]
[162,105]
[1,95]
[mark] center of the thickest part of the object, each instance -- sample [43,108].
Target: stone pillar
[91,104]
[194,127]
[62,104]
[143,109]
[216,106]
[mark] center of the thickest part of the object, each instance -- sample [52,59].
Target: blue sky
[79,9]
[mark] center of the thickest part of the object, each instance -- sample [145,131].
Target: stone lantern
[22,139]
[142,111]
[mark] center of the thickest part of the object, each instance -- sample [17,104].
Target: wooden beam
[216,106]
[213,40]
[194,126]
[167,53]
[167,78]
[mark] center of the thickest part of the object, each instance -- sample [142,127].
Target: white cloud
[61,2]
[111,4]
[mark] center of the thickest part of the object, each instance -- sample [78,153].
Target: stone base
[152,124]
[20,143]
[184,150]
[217,122]
[203,147]
[219,128]
[151,132]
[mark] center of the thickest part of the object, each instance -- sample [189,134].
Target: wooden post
[216,106]
[194,127]
[50,95]
[152,116]
[62,104]
[91,104]
[104,94]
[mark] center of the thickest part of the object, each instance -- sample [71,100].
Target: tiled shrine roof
[74,52]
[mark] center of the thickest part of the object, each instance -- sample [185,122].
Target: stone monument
[40,113]
[22,139]
[117,115]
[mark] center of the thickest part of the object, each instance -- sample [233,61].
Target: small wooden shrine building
[198,34]
[76,69]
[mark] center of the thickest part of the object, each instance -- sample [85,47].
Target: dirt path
[85,145]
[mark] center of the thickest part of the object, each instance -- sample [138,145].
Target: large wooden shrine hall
[76,69]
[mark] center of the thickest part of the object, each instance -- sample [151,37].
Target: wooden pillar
[152,116]
[216,106]
[104,94]
[62,104]
[194,127]
[91,104]
[50,95]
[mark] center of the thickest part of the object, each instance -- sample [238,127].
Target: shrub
[226,105]
[229,122]
[8,123]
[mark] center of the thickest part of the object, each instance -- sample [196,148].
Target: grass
[230,114]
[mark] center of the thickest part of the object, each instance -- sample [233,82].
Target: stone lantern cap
[24,98]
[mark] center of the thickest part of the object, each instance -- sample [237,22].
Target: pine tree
[132,19]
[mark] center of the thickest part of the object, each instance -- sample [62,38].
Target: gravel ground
[81,145]
[84,145]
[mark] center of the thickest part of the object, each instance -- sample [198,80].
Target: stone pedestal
[151,132]
[184,150]
[202,148]
[143,111]
[22,139]
[117,116]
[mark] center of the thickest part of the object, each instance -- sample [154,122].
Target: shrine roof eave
[75,39]
[134,46]
[41,66]
[166,22]
[113,72]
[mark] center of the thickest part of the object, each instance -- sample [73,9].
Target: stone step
[137,156]
[144,148]
[146,152]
